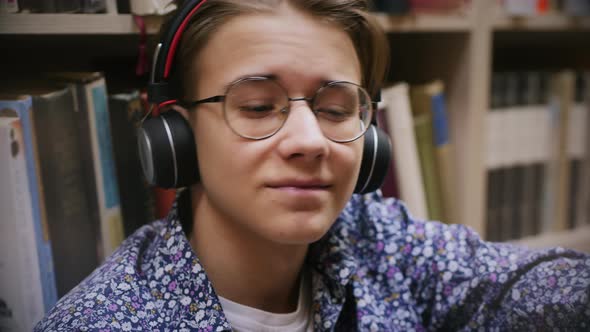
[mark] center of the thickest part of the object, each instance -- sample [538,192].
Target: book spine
[576,7]
[65,196]
[558,181]
[142,7]
[20,290]
[390,186]
[399,119]
[23,108]
[8,6]
[393,7]
[444,157]
[422,104]
[93,6]
[137,201]
[424,142]
[583,199]
[111,223]
[30,276]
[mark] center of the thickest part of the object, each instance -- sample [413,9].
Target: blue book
[23,108]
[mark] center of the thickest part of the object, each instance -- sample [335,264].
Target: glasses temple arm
[190,104]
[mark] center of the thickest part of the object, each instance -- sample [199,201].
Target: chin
[302,231]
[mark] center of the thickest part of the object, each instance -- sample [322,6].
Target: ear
[183,111]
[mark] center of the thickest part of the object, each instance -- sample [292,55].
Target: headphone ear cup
[375,162]
[167,151]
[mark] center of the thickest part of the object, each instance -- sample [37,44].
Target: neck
[242,266]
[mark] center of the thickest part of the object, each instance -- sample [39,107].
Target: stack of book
[537,153]
[528,8]
[72,187]
[137,7]
[421,173]
[54,6]
[402,7]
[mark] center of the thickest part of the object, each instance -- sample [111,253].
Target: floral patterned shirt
[377,269]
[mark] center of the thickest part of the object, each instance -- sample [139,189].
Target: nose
[301,135]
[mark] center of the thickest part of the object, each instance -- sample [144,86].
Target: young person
[271,237]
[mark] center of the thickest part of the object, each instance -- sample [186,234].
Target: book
[93,6]
[526,7]
[137,198]
[556,193]
[390,187]
[97,153]
[123,6]
[520,141]
[421,105]
[51,6]
[494,194]
[507,136]
[21,106]
[398,113]
[576,154]
[154,7]
[581,120]
[72,230]
[532,128]
[437,5]
[434,97]
[8,6]
[576,7]
[392,7]
[21,289]
[164,199]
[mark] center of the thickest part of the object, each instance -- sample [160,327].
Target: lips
[302,184]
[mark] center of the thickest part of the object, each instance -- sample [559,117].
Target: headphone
[166,142]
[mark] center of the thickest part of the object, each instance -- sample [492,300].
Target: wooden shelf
[116,24]
[424,23]
[577,239]
[548,22]
[74,24]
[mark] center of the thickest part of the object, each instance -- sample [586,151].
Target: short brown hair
[352,16]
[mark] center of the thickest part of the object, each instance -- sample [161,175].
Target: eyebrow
[273,77]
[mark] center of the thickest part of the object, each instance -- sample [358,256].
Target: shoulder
[450,268]
[385,226]
[110,296]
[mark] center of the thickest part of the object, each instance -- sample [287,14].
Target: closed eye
[334,114]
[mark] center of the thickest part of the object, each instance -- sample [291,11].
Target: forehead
[295,47]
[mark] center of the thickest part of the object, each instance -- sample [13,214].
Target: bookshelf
[77,24]
[114,24]
[460,48]
[548,22]
[430,23]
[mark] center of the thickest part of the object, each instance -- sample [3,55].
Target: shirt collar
[332,260]
[175,258]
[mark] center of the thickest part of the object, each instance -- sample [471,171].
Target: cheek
[347,164]
[223,157]
[211,149]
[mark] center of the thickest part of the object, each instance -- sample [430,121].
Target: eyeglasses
[257,108]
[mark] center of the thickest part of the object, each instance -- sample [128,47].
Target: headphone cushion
[375,162]
[168,151]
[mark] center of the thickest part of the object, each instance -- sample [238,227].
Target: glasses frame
[190,105]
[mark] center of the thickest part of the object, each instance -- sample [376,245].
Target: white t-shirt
[245,319]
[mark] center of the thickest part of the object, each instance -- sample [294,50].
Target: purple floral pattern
[378,269]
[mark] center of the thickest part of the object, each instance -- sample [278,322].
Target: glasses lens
[343,110]
[256,108]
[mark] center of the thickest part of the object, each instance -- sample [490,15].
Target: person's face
[288,188]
